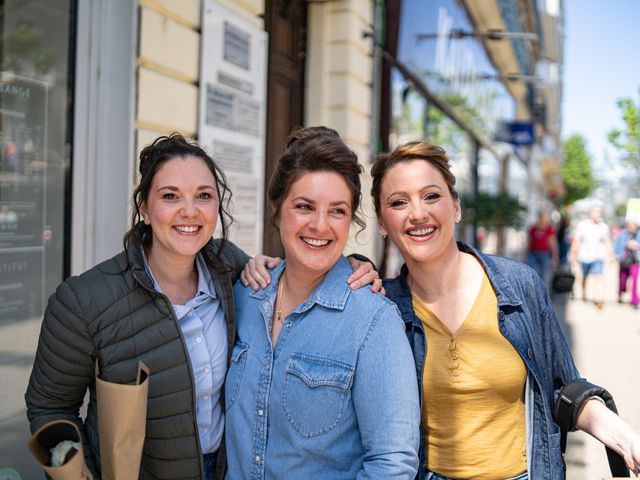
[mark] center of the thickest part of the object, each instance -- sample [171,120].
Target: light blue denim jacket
[527,320]
[336,399]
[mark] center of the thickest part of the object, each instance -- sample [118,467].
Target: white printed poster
[233,79]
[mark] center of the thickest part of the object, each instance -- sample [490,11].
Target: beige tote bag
[122,418]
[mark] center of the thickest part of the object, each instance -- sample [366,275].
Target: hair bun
[302,135]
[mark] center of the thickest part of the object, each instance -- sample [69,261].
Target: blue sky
[602,64]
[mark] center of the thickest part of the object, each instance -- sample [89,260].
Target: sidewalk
[18,341]
[604,345]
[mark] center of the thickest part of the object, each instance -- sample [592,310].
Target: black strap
[568,405]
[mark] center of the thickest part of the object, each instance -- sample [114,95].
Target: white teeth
[422,231]
[314,242]
[185,229]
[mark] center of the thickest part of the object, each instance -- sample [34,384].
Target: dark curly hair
[315,149]
[152,157]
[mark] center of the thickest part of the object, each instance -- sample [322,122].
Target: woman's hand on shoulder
[364,274]
[255,274]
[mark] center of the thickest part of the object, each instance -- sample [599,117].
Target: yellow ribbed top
[473,395]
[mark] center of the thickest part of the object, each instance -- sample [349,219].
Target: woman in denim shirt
[496,355]
[321,383]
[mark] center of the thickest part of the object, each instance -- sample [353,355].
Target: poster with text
[231,126]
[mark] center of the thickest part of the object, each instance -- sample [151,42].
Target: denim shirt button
[501,316]
[289,325]
[257,458]
[530,353]
[260,413]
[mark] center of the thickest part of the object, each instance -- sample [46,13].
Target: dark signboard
[23,223]
[516,133]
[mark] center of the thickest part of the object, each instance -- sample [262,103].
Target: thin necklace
[279,300]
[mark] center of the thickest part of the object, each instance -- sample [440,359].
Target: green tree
[626,140]
[493,211]
[576,169]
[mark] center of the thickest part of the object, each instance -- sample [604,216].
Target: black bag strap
[569,403]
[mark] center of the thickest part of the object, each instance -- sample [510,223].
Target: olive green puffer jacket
[112,314]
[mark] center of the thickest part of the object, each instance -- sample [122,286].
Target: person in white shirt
[591,246]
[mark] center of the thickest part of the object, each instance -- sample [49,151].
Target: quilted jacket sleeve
[64,362]
[235,257]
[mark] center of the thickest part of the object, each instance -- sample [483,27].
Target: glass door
[36,98]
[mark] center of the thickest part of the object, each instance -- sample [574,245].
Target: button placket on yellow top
[453,355]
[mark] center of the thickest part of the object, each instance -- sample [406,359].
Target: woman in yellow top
[496,356]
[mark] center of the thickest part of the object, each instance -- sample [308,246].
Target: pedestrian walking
[489,352]
[625,247]
[542,252]
[591,246]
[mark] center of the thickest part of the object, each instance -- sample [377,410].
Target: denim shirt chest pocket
[234,373]
[316,393]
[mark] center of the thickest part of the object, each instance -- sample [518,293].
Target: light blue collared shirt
[203,327]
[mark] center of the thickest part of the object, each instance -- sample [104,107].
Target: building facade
[482,79]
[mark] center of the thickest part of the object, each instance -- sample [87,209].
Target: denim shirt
[337,397]
[527,320]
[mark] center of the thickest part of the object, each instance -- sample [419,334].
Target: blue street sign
[516,133]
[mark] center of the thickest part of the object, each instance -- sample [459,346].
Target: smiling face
[418,211]
[314,221]
[182,209]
